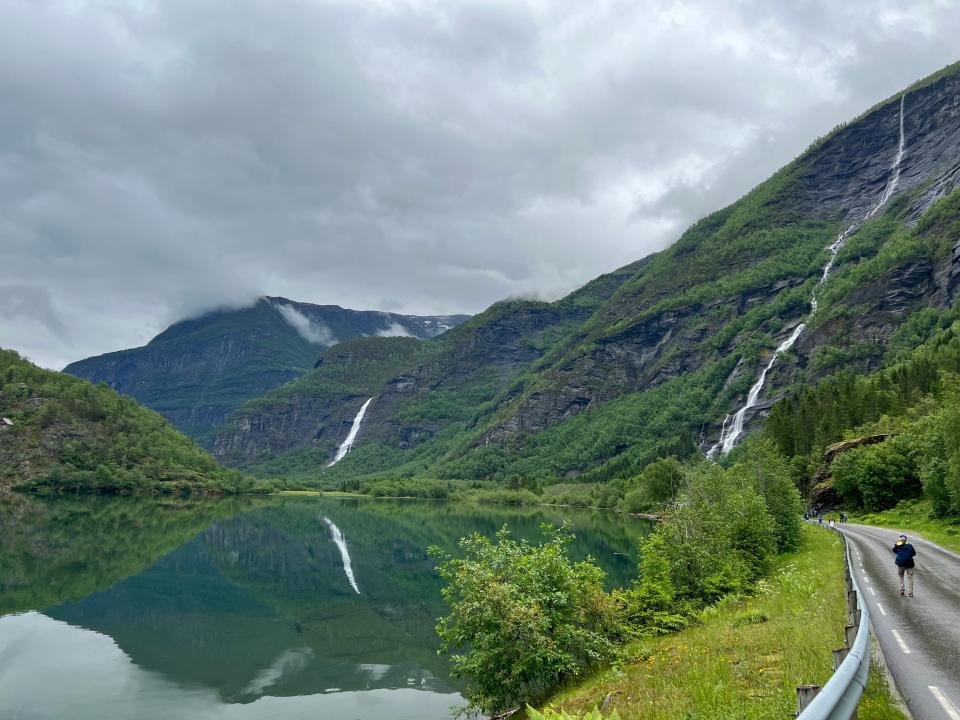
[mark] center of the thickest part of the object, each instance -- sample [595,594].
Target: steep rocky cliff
[198,371]
[655,356]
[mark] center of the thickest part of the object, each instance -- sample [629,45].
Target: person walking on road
[905,553]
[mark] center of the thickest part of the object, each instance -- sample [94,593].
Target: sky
[162,158]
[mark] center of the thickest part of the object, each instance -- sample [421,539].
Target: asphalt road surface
[920,636]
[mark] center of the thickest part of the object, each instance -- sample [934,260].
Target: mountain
[58,432]
[657,358]
[426,393]
[197,371]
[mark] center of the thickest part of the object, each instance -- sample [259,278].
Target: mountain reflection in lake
[156,610]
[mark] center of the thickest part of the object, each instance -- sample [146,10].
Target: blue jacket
[905,553]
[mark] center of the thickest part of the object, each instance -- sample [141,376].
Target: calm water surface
[242,609]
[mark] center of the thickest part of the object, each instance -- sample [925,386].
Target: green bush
[720,538]
[635,501]
[750,617]
[877,477]
[522,618]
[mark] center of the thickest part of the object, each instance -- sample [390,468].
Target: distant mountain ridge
[648,361]
[197,371]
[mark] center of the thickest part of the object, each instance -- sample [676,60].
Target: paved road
[920,636]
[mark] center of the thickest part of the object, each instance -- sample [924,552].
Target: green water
[121,608]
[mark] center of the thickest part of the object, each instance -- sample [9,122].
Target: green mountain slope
[198,371]
[599,384]
[63,433]
[872,440]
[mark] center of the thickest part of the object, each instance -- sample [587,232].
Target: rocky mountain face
[420,387]
[653,357]
[198,371]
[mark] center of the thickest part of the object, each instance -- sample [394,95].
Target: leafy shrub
[553,714]
[720,538]
[877,477]
[750,617]
[522,617]
[635,501]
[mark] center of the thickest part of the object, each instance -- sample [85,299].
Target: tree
[762,467]
[650,607]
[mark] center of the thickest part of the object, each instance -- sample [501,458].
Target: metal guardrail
[837,700]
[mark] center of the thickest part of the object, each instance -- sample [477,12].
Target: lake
[279,608]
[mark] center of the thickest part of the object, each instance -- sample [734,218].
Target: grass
[913,517]
[746,657]
[319,493]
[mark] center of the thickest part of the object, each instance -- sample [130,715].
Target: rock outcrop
[822,494]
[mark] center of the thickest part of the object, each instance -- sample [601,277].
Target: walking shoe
[911,594]
[901,593]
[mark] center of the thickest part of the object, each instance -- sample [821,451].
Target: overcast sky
[158,159]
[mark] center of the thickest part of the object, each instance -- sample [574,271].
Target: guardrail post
[805,695]
[850,634]
[838,656]
[852,601]
[854,617]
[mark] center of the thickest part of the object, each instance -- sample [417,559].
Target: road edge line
[881,661]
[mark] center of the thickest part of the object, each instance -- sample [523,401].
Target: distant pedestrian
[843,518]
[833,523]
[820,518]
[905,553]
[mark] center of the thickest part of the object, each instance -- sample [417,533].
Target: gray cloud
[394,330]
[159,158]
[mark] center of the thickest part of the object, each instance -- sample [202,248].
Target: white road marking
[882,611]
[866,578]
[944,701]
[900,642]
[871,591]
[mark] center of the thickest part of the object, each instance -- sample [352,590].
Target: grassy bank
[318,493]
[913,517]
[747,655]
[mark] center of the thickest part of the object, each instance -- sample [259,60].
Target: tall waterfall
[347,445]
[730,432]
[341,544]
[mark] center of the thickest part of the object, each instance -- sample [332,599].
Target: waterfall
[347,445]
[341,544]
[730,433]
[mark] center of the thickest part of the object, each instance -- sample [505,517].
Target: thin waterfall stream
[732,430]
[347,445]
